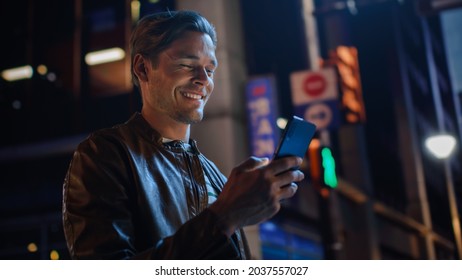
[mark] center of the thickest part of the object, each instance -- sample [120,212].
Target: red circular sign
[314,85]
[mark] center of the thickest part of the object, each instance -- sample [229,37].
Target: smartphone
[295,138]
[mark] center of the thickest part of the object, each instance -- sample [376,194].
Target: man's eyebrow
[214,62]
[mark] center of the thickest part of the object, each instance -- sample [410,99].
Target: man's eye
[186,66]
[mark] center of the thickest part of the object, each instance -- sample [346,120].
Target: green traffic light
[328,163]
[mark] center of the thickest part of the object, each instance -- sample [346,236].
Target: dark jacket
[128,195]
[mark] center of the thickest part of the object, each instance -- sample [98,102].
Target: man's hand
[254,191]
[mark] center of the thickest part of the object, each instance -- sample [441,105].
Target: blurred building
[399,78]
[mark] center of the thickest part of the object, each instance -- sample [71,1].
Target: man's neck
[167,127]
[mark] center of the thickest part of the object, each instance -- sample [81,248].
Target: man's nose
[201,77]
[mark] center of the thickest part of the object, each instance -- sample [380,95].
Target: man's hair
[154,33]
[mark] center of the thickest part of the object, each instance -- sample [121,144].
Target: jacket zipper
[194,184]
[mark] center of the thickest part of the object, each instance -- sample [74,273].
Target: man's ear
[140,65]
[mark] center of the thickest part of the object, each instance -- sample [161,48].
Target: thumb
[252,163]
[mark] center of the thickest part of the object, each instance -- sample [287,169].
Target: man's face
[182,82]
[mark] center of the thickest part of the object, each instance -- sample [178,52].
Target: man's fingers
[252,163]
[284,164]
[288,177]
[288,191]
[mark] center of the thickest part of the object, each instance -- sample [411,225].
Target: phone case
[295,138]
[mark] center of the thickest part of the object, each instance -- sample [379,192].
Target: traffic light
[322,165]
[328,167]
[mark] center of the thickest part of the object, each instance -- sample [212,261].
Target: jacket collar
[154,136]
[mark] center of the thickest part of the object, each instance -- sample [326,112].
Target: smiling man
[142,189]
[176,88]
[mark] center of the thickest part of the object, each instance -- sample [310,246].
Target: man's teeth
[192,95]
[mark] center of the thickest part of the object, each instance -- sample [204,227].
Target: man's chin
[196,118]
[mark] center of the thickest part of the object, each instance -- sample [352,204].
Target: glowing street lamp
[441,146]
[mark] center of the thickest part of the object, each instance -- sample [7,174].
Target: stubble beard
[188,117]
[182,115]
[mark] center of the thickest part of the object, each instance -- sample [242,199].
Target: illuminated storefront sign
[261,111]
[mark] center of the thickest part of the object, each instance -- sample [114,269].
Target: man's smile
[192,95]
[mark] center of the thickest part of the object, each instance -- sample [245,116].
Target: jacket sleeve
[98,213]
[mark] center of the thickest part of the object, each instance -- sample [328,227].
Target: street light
[441,146]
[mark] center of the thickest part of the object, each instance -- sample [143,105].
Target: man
[142,189]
